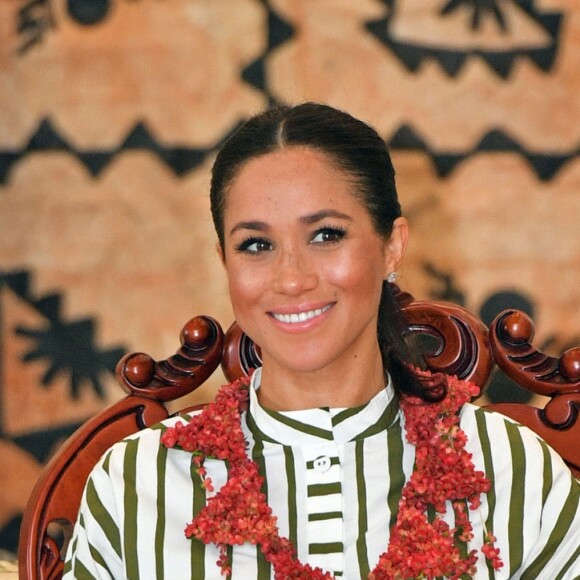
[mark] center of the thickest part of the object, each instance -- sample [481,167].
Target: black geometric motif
[88,12]
[82,360]
[46,138]
[34,19]
[183,159]
[9,535]
[480,9]
[452,60]
[42,444]
[279,31]
[446,288]
[545,164]
[68,347]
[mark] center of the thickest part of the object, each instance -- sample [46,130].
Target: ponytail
[400,353]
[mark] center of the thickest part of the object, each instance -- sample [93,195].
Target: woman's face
[304,262]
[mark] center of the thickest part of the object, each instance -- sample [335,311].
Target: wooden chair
[464,347]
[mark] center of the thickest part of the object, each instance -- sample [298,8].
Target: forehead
[289,176]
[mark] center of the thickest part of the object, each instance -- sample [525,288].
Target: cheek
[360,274]
[245,286]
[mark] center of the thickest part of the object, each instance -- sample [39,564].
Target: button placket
[324,507]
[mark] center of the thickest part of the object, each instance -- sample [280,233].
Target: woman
[339,458]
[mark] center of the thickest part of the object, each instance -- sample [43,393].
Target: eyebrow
[307,220]
[252,225]
[323,214]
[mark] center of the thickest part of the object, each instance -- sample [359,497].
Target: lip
[300,318]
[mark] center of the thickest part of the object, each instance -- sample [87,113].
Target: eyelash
[244,245]
[336,233]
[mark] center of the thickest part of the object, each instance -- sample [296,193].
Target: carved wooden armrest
[54,502]
[558,378]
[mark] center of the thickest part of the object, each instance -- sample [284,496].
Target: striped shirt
[334,480]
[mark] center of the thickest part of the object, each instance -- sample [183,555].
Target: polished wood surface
[558,378]
[463,346]
[53,505]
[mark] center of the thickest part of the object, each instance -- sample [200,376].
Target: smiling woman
[306,278]
[340,457]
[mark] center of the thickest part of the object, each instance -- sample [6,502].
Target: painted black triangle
[500,62]
[254,74]
[7,160]
[411,56]
[45,138]
[543,57]
[49,306]
[182,160]
[451,61]
[95,161]
[18,282]
[551,21]
[378,28]
[446,163]
[41,443]
[279,30]
[406,138]
[497,140]
[140,138]
[546,166]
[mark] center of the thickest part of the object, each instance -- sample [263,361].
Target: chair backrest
[53,505]
[464,347]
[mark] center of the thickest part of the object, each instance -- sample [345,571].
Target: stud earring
[392,278]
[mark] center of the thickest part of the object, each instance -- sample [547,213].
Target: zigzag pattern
[279,32]
[47,138]
[545,164]
[452,60]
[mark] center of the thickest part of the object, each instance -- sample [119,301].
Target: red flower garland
[419,546]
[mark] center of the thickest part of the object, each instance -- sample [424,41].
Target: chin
[305,363]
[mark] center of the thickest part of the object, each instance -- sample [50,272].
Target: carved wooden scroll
[558,378]
[53,505]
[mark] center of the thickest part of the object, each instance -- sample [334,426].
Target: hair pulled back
[358,150]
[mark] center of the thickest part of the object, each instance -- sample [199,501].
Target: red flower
[444,472]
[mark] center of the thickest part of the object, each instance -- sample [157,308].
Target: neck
[349,384]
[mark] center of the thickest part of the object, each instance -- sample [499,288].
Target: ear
[396,245]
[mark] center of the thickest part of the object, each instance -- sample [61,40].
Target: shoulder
[503,445]
[481,423]
[141,449]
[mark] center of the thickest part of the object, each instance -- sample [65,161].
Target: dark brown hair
[359,151]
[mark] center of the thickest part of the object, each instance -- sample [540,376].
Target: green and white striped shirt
[334,480]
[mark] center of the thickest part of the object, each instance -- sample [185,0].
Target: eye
[328,235]
[254,246]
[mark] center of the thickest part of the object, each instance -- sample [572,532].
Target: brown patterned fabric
[112,111]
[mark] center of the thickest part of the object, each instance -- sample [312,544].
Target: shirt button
[322,464]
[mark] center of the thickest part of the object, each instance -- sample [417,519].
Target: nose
[294,274]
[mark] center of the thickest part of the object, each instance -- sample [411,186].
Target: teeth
[301,316]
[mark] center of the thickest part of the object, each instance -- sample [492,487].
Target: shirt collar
[307,426]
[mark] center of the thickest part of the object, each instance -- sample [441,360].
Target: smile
[300,316]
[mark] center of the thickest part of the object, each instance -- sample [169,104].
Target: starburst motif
[452,59]
[68,347]
[480,9]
